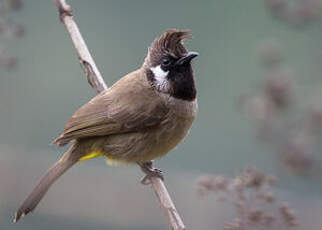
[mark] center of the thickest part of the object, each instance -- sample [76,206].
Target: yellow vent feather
[91,155]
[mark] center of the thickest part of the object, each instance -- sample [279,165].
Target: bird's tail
[58,169]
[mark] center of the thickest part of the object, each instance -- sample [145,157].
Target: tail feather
[45,182]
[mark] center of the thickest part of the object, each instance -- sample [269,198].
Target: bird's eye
[166,61]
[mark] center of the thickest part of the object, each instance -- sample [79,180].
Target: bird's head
[168,66]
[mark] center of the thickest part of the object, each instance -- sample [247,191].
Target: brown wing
[129,105]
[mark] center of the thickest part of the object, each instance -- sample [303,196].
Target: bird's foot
[150,171]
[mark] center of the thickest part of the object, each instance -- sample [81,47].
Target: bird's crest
[169,43]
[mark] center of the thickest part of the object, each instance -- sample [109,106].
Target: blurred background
[260,105]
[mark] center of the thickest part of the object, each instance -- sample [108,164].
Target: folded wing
[130,107]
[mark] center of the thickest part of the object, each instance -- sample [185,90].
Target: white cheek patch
[159,73]
[160,77]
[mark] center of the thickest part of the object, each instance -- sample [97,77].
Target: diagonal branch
[94,77]
[96,81]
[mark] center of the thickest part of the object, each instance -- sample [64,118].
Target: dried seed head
[236,224]
[288,215]
[268,219]
[212,183]
[279,88]
[253,178]
[255,215]
[269,197]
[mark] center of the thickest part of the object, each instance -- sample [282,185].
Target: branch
[96,81]
[94,77]
[167,203]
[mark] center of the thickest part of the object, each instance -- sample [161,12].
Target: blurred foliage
[251,193]
[9,30]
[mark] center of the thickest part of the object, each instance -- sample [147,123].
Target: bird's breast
[177,125]
[156,142]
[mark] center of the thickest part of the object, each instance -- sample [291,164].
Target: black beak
[187,58]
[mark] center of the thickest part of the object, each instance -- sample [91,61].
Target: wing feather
[125,107]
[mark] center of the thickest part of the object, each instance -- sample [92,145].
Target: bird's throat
[180,83]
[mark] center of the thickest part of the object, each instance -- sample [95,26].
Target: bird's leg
[150,171]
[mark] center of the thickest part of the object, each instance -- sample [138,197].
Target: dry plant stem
[96,81]
[94,77]
[166,202]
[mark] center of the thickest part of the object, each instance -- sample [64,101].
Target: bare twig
[94,77]
[166,202]
[96,81]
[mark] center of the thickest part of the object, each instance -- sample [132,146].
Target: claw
[150,171]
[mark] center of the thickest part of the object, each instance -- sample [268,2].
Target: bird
[141,117]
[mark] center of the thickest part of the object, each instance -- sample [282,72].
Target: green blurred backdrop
[38,97]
